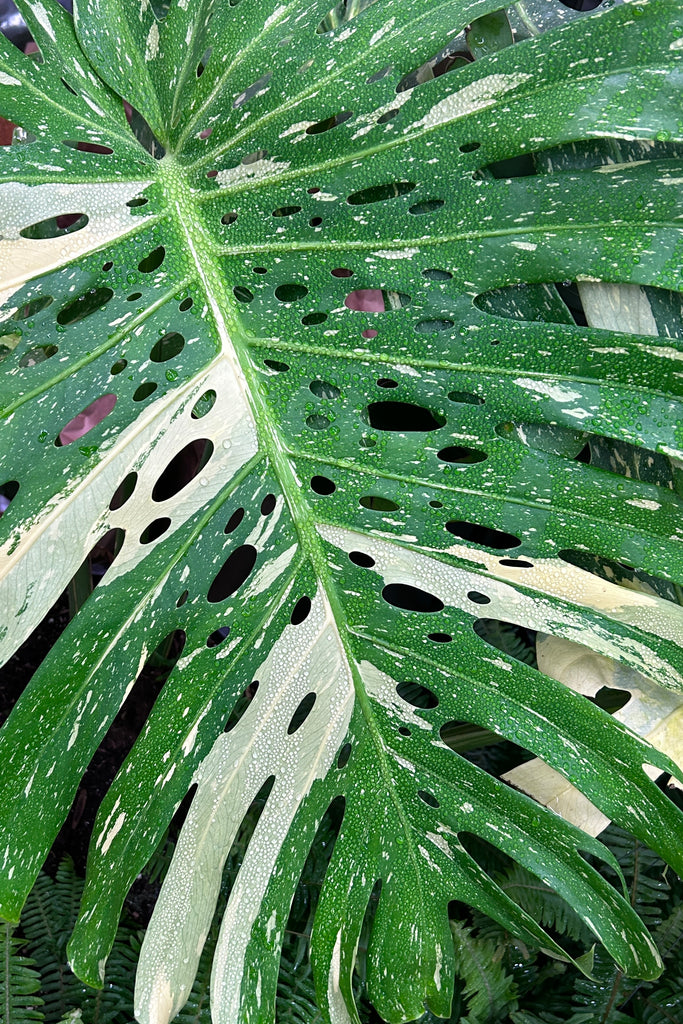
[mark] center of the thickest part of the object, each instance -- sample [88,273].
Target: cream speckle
[113,832]
[152,48]
[475,96]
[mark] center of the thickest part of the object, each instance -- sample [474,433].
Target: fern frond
[668,934]
[602,995]
[19,982]
[113,1004]
[543,904]
[489,990]
[47,920]
[525,1017]
[665,1005]
[296,999]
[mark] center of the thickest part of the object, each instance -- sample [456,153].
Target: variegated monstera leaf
[361,327]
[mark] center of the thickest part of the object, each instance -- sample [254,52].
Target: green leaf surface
[322,367]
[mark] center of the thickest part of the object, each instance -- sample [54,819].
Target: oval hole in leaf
[236,714]
[380,193]
[155,530]
[229,218]
[203,405]
[378,75]
[434,274]
[484,535]
[387,382]
[234,520]
[182,599]
[342,13]
[321,389]
[301,611]
[301,714]
[402,417]
[514,640]
[88,147]
[118,367]
[478,598]
[323,485]
[464,398]
[329,122]
[153,261]
[411,599]
[268,504]
[242,294]
[84,305]
[440,638]
[8,492]
[344,755]
[516,563]
[311,319]
[461,456]
[417,695]
[233,573]
[146,389]
[290,292]
[360,558]
[317,422]
[255,89]
[38,354]
[55,227]
[86,420]
[167,347]
[123,491]
[183,467]
[378,504]
[433,326]
[32,307]
[218,636]
[425,206]
[368,300]
[286,211]
[255,157]
[427,798]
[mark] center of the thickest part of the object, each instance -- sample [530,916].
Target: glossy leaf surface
[322,334]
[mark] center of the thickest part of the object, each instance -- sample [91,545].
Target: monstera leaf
[312,327]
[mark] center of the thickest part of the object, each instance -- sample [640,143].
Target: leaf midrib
[221,302]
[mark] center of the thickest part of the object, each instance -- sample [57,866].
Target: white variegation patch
[396,564]
[652,712]
[39,559]
[243,173]
[306,658]
[475,96]
[23,205]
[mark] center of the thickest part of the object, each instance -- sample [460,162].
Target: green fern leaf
[19,982]
[489,991]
